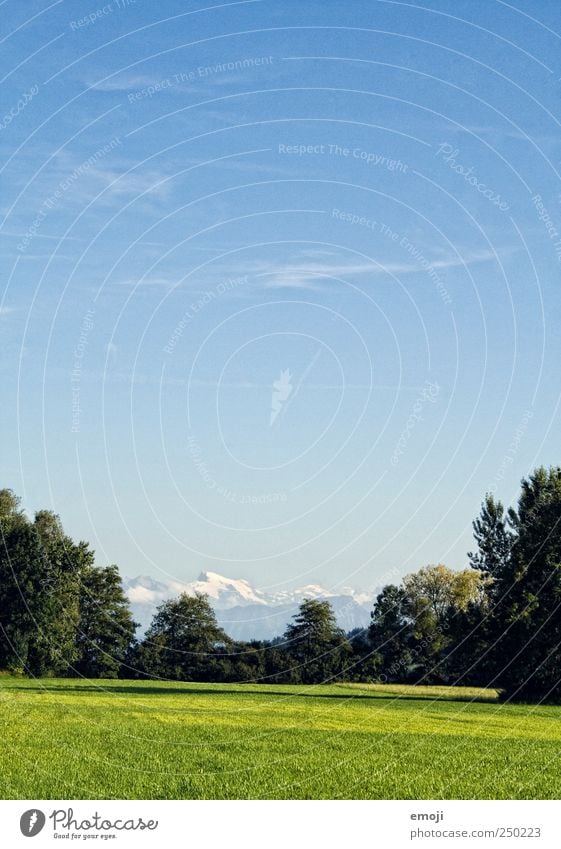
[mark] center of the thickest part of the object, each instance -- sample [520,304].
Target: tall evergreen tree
[494,536]
[526,644]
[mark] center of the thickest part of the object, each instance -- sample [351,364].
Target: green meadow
[110,739]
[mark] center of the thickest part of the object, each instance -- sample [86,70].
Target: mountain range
[244,612]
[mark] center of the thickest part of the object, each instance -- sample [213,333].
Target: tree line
[496,623]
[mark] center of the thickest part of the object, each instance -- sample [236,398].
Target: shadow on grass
[224,690]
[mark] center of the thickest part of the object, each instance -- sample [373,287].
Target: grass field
[127,740]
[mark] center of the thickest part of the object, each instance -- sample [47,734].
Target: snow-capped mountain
[222,592]
[245,612]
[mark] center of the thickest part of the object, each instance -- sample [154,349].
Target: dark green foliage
[38,594]
[465,659]
[10,513]
[493,534]
[53,648]
[106,627]
[57,609]
[184,642]
[318,649]
[496,624]
[391,634]
[366,662]
[417,627]
[23,574]
[526,618]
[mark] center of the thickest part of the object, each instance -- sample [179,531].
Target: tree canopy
[60,614]
[496,623]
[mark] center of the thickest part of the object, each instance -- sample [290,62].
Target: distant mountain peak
[243,611]
[215,578]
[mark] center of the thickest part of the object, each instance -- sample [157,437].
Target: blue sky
[280,281]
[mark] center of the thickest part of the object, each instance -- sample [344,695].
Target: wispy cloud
[123,82]
[120,183]
[50,236]
[307,275]
[158,282]
[498,135]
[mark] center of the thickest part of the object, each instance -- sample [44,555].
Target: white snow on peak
[241,606]
[224,592]
[231,592]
